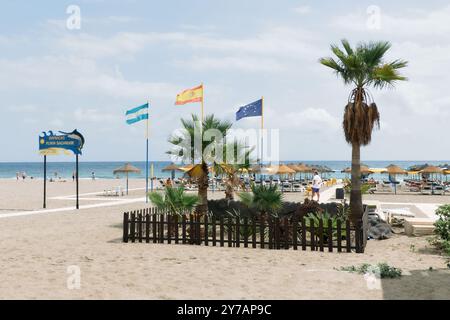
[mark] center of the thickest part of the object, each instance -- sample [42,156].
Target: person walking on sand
[317,183]
[73,176]
[93,175]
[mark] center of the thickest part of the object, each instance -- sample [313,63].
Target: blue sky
[53,78]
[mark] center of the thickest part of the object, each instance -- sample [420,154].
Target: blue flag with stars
[253,109]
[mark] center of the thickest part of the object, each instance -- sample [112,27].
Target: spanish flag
[190,95]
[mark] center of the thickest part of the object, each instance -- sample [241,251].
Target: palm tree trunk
[356,206]
[203,184]
[229,192]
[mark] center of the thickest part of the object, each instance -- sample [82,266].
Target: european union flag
[253,109]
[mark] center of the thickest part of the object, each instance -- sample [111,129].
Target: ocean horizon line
[289,160]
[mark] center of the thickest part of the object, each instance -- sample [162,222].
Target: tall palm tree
[362,67]
[190,147]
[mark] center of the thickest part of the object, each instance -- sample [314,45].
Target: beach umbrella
[281,169]
[172,168]
[394,170]
[302,168]
[127,169]
[186,168]
[364,170]
[432,170]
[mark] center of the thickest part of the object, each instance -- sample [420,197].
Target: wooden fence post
[125,227]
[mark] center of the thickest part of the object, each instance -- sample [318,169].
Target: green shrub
[443,223]
[383,269]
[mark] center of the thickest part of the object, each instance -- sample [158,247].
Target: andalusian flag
[190,95]
[137,114]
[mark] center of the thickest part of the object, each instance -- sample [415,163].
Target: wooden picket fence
[154,226]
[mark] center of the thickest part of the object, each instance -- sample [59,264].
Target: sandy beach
[38,249]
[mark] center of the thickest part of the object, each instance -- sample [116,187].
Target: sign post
[66,142]
[45,181]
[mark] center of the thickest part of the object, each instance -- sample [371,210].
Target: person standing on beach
[93,175]
[317,183]
[17,176]
[73,176]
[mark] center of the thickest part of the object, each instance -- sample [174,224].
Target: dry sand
[36,251]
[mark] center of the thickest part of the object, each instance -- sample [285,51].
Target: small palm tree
[231,169]
[266,199]
[190,147]
[175,200]
[362,67]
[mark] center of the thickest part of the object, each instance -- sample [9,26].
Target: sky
[127,52]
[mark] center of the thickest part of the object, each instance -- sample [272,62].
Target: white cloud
[70,74]
[400,25]
[96,116]
[303,9]
[314,120]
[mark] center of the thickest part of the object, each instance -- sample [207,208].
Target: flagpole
[203,98]
[262,128]
[146,162]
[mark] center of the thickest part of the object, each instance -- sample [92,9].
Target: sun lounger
[438,190]
[286,187]
[426,190]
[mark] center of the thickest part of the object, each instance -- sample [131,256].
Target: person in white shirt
[317,183]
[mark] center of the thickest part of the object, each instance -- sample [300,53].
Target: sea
[104,170]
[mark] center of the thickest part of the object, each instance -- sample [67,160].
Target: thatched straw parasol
[364,170]
[394,170]
[127,169]
[432,169]
[281,169]
[172,168]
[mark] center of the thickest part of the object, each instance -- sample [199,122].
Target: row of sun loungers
[117,192]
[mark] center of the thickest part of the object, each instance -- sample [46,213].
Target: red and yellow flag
[190,95]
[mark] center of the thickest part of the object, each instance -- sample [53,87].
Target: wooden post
[206,230]
[347,236]
[161,228]
[169,228]
[277,233]
[270,222]
[230,232]
[294,231]
[245,232]
[132,228]
[303,233]
[330,235]
[262,230]
[154,226]
[311,231]
[222,232]
[339,235]
[140,226]
[183,229]
[286,233]
[253,232]
[147,227]
[214,230]
[321,234]
[125,227]
[238,232]
[177,238]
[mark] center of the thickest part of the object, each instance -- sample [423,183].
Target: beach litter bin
[340,194]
